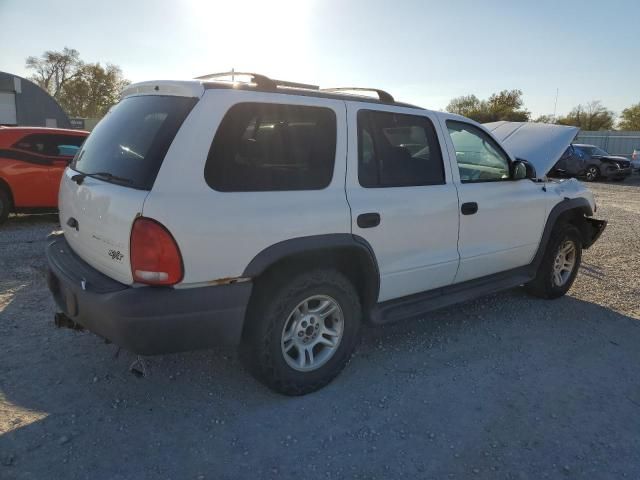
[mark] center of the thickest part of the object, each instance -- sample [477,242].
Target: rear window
[272,147]
[130,142]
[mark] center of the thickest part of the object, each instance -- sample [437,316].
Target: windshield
[131,141]
[593,150]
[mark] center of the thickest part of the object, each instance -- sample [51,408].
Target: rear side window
[397,150]
[56,145]
[130,142]
[265,147]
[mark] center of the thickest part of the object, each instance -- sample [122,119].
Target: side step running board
[415,305]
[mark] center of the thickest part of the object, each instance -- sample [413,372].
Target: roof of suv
[305,93]
[259,83]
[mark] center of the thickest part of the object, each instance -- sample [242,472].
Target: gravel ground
[505,387]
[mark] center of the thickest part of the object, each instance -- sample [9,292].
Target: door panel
[29,177]
[415,241]
[505,231]
[506,227]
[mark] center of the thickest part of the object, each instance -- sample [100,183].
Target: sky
[422,52]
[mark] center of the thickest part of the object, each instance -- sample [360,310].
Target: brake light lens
[155,256]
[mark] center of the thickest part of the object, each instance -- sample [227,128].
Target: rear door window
[131,141]
[397,150]
[272,147]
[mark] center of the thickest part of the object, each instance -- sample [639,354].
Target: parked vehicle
[592,163]
[635,159]
[280,217]
[31,164]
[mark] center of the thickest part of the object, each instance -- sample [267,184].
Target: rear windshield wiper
[79,177]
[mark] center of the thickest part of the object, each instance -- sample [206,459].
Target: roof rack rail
[383,96]
[261,81]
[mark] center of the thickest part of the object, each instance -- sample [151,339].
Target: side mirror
[521,169]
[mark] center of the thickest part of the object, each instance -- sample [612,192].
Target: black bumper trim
[146,320]
[596,227]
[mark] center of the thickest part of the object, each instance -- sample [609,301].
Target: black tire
[543,285]
[592,173]
[270,310]
[5,205]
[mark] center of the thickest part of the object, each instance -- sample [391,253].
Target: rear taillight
[155,256]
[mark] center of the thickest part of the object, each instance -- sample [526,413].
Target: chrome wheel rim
[564,263]
[312,333]
[592,173]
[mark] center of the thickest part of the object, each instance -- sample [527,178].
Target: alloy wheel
[312,333]
[564,263]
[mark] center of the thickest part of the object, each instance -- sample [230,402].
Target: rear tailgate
[96,218]
[104,189]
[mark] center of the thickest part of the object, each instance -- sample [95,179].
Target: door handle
[368,220]
[469,208]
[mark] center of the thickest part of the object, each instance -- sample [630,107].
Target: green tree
[505,105]
[592,116]
[465,105]
[92,93]
[630,118]
[82,89]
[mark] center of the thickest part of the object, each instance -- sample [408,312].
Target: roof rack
[261,81]
[383,96]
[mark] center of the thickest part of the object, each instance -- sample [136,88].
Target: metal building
[24,103]
[614,142]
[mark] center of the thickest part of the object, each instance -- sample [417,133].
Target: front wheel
[301,333]
[591,174]
[560,264]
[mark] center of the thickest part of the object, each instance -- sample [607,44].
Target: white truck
[280,217]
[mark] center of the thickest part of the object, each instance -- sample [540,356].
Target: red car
[32,160]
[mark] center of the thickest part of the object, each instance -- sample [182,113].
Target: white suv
[279,217]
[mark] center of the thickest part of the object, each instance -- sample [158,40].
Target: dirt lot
[504,387]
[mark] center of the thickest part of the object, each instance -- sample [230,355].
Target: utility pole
[555,106]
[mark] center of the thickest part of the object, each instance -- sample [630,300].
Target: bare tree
[52,70]
[82,89]
[592,116]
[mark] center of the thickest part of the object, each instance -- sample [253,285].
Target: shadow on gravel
[505,386]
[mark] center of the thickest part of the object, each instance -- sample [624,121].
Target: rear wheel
[560,263]
[301,334]
[592,173]
[5,205]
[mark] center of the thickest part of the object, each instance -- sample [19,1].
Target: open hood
[541,144]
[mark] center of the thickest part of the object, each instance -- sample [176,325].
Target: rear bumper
[145,320]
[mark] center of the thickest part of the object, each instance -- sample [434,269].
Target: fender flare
[578,204]
[318,244]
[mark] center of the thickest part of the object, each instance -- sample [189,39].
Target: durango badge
[116,255]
